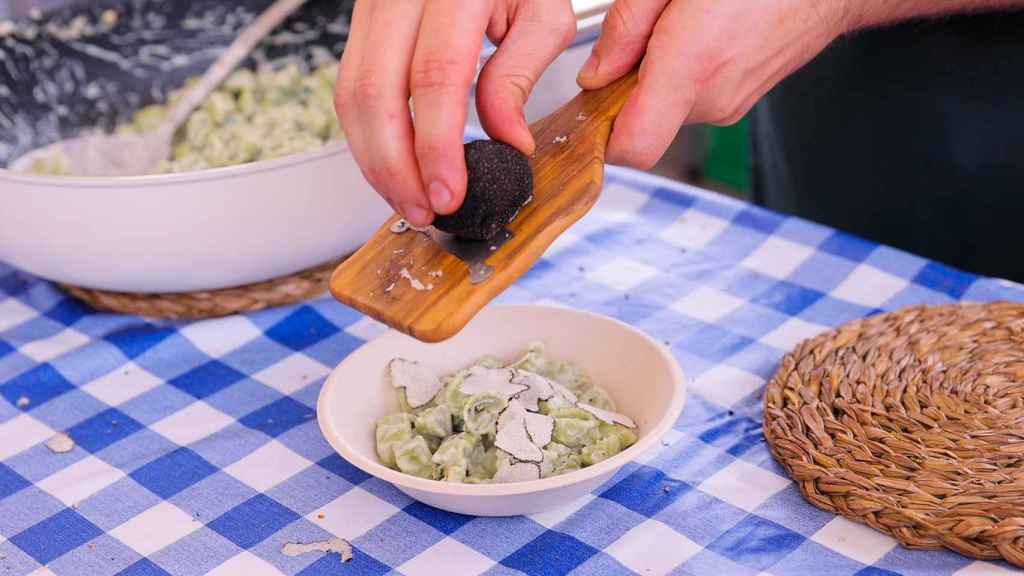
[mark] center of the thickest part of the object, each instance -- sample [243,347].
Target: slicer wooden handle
[409,283]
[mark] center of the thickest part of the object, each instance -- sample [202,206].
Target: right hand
[429,50]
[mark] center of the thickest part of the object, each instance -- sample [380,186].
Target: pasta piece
[533,361]
[391,431]
[574,432]
[413,457]
[198,128]
[489,362]
[603,449]
[148,118]
[219,105]
[626,436]
[435,421]
[455,474]
[483,463]
[571,412]
[453,456]
[419,383]
[558,459]
[597,397]
[568,375]
[480,414]
[453,397]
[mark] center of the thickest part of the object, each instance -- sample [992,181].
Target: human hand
[703,61]
[429,50]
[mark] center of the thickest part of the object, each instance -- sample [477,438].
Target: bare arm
[709,61]
[867,13]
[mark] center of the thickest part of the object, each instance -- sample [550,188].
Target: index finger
[443,67]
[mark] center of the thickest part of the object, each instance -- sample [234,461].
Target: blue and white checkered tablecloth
[197,449]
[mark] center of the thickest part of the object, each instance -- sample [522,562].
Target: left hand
[703,61]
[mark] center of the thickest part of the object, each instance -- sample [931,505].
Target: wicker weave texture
[911,422]
[209,304]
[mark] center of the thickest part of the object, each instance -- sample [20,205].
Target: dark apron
[911,136]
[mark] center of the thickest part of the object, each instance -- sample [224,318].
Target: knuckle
[434,73]
[564,23]
[431,153]
[731,117]
[644,160]
[641,158]
[518,84]
[621,21]
[720,109]
[365,90]
[360,91]
[381,175]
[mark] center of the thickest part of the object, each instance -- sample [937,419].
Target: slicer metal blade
[473,252]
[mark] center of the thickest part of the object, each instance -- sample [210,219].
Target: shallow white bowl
[638,372]
[201,230]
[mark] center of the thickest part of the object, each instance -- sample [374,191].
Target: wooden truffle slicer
[411,280]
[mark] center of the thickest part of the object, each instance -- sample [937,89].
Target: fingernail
[589,69]
[440,196]
[416,215]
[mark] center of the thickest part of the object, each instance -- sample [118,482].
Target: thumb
[627,28]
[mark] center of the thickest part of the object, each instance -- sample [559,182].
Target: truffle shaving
[413,281]
[537,388]
[515,441]
[540,427]
[339,546]
[495,380]
[607,415]
[420,384]
[510,471]
[61,443]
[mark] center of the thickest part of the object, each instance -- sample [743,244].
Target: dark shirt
[910,135]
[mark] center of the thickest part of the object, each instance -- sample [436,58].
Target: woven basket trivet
[911,422]
[209,304]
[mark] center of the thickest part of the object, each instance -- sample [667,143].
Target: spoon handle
[229,60]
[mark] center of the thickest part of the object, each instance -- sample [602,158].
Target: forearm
[867,13]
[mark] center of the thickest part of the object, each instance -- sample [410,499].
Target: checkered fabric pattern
[198,450]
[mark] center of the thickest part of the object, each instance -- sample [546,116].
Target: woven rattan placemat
[911,422]
[208,304]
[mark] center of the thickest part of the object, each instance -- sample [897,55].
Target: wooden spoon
[413,285]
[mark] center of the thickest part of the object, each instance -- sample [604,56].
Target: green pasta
[270,113]
[490,435]
[435,421]
[480,414]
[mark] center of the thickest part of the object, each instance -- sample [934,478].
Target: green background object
[727,156]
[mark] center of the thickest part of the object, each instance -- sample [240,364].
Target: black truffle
[500,182]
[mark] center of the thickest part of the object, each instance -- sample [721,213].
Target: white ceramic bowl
[638,372]
[191,231]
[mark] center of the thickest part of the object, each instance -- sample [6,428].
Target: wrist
[840,16]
